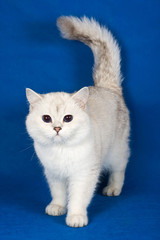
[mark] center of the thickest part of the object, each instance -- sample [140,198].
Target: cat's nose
[57,129]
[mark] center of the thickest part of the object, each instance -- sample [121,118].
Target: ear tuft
[81,97]
[32,96]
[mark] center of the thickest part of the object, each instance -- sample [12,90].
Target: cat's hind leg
[114,187]
[118,159]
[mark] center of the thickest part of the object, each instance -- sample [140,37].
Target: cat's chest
[62,161]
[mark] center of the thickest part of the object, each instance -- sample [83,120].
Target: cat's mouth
[58,139]
[58,136]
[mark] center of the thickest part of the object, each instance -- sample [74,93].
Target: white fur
[96,139]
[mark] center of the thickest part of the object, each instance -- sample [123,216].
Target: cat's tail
[106,71]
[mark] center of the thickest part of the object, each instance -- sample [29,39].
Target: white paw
[55,210]
[111,191]
[77,220]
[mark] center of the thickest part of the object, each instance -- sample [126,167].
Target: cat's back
[103,101]
[108,112]
[106,105]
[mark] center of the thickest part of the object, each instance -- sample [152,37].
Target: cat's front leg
[81,189]
[57,206]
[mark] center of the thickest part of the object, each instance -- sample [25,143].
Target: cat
[77,136]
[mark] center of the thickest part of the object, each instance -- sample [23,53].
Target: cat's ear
[32,96]
[81,97]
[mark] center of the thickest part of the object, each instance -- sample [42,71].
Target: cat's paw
[77,220]
[111,191]
[55,210]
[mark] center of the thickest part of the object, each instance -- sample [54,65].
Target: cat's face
[58,118]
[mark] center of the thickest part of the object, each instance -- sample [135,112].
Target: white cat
[78,135]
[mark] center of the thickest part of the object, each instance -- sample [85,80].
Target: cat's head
[58,118]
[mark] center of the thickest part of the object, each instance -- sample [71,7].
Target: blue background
[32,54]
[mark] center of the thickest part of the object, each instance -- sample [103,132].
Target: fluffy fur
[96,138]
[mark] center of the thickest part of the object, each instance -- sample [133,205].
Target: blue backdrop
[32,54]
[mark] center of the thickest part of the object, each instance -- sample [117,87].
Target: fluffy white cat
[78,135]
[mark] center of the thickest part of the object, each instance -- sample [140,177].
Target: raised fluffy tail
[106,71]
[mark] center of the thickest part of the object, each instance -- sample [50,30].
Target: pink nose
[57,129]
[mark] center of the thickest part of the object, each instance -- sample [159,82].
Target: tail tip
[66,27]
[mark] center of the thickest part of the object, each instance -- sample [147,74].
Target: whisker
[25,148]
[23,132]
[32,156]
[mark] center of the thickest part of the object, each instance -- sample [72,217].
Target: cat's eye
[68,118]
[46,118]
